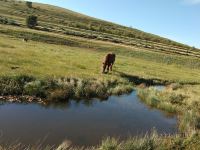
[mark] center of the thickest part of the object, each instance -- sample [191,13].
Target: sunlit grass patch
[84,60]
[152,141]
[157,99]
[180,99]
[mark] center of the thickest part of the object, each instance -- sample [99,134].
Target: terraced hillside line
[55,38]
[108,37]
[42,59]
[55,16]
[165,49]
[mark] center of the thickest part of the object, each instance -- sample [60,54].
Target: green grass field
[66,22]
[69,56]
[42,59]
[45,57]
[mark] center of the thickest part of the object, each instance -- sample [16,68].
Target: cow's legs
[104,68]
[111,67]
[108,66]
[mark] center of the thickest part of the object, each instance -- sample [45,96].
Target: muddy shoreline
[21,99]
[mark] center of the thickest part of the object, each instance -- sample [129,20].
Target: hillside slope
[63,21]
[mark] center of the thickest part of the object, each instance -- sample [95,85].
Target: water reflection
[82,122]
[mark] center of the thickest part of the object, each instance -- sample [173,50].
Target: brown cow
[108,62]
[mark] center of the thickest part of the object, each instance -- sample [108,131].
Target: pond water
[84,123]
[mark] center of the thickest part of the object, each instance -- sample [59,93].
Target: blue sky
[175,19]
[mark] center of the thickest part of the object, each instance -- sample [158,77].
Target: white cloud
[192,2]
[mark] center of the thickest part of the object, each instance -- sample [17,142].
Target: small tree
[31,21]
[29,4]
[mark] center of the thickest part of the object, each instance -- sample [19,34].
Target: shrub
[9,86]
[4,20]
[62,88]
[31,21]
[13,22]
[14,85]
[29,4]
[36,88]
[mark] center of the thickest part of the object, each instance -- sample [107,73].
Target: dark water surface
[83,123]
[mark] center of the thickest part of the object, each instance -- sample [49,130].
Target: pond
[84,123]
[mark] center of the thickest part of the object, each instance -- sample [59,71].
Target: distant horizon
[184,29]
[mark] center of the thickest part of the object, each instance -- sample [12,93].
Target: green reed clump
[8,86]
[83,89]
[118,87]
[110,144]
[77,89]
[174,100]
[14,85]
[88,88]
[189,121]
[158,99]
[121,89]
[60,89]
[100,89]
[36,88]
[147,142]
[152,141]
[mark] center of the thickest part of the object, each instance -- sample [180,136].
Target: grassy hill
[66,22]
[52,54]
[66,43]
[63,59]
